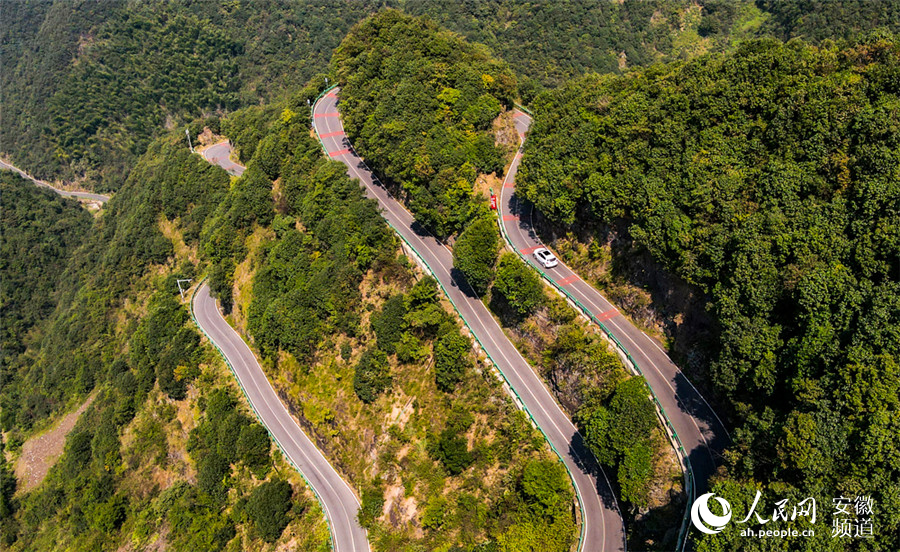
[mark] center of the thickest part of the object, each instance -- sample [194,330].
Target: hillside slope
[768,180]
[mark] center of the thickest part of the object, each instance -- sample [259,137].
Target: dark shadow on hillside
[508,316]
[523,209]
[584,459]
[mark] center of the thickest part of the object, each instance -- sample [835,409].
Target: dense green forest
[547,43]
[767,179]
[155,455]
[818,20]
[346,358]
[351,335]
[39,231]
[88,84]
[418,102]
[402,131]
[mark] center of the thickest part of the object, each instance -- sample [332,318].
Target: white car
[544,257]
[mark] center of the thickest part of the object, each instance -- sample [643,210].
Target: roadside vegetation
[376,368]
[766,180]
[582,372]
[430,154]
[40,231]
[365,350]
[90,84]
[611,408]
[166,454]
[759,179]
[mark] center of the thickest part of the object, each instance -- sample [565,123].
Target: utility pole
[180,290]
[188,134]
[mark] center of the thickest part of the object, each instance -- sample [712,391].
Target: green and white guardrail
[331,536]
[679,447]
[496,366]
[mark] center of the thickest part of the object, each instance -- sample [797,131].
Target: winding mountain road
[701,432]
[602,527]
[337,498]
[99,198]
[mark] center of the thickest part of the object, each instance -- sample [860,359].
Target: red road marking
[510,184]
[510,217]
[339,152]
[529,250]
[331,95]
[330,134]
[567,281]
[519,114]
[607,315]
[318,115]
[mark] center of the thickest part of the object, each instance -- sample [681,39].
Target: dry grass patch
[170,230]
[243,276]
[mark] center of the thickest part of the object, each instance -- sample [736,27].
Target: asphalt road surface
[338,499]
[99,198]
[602,524]
[220,154]
[702,434]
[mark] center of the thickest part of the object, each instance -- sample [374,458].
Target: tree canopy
[475,254]
[767,179]
[418,102]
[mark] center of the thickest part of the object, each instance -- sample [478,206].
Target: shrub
[253,448]
[268,507]
[545,486]
[475,254]
[389,323]
[372,505]
[268,156]
[410,349]
[519,285]
[423,311]
[635,473]
[371,377]
[453,452]
[211,473]
[450,359]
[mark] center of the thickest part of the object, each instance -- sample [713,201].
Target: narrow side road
[701,432]
[99,198]
[337,498]
[602,526]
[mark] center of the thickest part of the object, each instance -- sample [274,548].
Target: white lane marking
[388,204]
[666,380]
[637,350]
[245,355]
[525,239]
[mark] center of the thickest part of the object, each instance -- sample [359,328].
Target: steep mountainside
[767,179]
[88,84]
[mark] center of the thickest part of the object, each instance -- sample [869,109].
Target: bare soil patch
[41,451]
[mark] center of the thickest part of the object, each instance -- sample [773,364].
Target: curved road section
[337,498]
[702,433]
[220,154]
[602,526]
